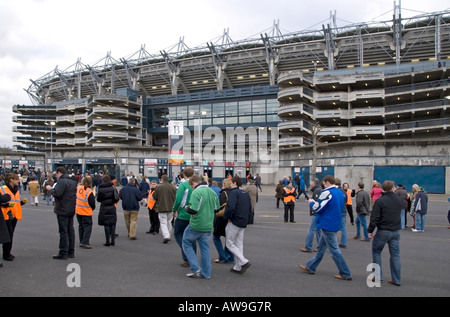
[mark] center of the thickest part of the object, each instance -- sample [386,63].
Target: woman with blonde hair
[225,255]
[419,208]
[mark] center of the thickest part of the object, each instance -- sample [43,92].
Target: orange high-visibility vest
[349,197]
[151,201]
[17,209]
[289,198]
[82,207]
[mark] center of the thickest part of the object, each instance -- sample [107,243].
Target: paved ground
[147,267]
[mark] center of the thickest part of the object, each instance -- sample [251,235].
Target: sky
[36,36]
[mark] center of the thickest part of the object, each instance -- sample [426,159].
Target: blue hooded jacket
[328,209]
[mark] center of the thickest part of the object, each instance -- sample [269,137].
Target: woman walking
[33,185]
[48,181]
[108,197]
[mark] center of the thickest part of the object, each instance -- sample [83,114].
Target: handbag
[222,208]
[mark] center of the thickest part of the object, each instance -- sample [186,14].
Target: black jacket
[219,222]
[4,233]
[65,194]
[386,213]
[239,207]
[107,196]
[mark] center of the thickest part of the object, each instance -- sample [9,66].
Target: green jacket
[205,201]
[182,199]
[165,196]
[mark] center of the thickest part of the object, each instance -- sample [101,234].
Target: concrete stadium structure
[369,95]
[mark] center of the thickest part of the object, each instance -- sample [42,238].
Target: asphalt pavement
[148,268]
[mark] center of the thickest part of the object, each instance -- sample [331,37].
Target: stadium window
[231,109]
[245,107]
[231,120]
[259,106]
[259,118]
[218,110]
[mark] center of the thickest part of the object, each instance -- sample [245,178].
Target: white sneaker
[415,230]
[193,275]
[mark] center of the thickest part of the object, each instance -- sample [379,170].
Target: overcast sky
[38,35]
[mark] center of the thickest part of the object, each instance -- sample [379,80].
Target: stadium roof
[225,63]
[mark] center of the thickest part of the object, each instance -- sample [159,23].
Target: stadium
[363,101]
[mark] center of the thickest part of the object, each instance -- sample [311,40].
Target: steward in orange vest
[289,194]
[153,215]
[14,208]
[84,208]
[12,211]
[151,201]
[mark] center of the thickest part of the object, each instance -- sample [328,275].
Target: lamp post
[45,154]
[52,123]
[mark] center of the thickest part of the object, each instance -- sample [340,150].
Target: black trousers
[300,192]
[84,228]
[11,226]
[350,213]
[278,202]
[154,221]
[110,233]
[66,235]
[289,211]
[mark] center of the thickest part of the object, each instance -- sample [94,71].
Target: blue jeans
[178,231]
[224,253]
[392,238]
[329,240]
[420,221]
[361,220]
[344,229]
[190,237]
[311,231]
[48,198]
[402,218]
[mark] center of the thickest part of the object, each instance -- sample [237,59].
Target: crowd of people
[187,211]
[198,207]
[387,206]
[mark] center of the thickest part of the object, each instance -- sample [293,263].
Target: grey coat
[362,202]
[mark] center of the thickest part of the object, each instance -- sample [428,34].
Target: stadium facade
[368,98]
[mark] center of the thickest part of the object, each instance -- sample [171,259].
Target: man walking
[131,196]
[362,210]
[164,196]
[258,181]
[65,194]
[182,199]
[237,213]
[302,188]
[204,202]
[328,211]
[385,217]
[312,230]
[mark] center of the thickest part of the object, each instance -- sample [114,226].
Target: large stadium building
[363,101]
